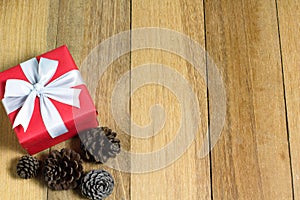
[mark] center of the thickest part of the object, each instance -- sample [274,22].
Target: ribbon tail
[24,116]
[51,118]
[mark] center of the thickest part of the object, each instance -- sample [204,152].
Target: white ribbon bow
[19,93]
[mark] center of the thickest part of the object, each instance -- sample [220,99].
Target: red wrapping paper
[36,138]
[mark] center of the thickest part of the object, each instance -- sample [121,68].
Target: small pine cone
[27,167]
[97,184]
[99,144]
[62,170]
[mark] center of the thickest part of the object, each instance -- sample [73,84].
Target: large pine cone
[97,184]
[27,167]
[62,170]
[99,144]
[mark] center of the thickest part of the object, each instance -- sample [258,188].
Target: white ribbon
[19,93]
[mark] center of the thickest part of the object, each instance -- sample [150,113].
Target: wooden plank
[289,16]
[251,159]
[83,25]
[189,176]
[22,35]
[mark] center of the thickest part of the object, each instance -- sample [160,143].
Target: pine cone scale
[62,170]
[99,144]
[27,167]
[97,184]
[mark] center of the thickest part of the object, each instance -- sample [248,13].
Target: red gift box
[36,138]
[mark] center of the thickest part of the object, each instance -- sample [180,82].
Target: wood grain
[251,159]
[22,36]
[289,16]
[189,176]
[253,43]
[83,25]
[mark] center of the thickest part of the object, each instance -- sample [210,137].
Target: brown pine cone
[97,184]
[99,144]
[62,170]
[27,167]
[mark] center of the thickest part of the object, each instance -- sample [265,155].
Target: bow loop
[17,88]
[68,96]
[47,69]
[30,70]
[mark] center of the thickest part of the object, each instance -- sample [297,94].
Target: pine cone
[62,170]
[99,144]
[27,167]
[97,184]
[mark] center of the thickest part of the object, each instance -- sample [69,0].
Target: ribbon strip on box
[19,93]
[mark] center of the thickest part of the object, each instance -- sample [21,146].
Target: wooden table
[254,45]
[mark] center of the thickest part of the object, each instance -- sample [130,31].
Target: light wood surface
[255,46]
[94,22]
[251,158]
[23,32]
[189,176]
[289,15]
